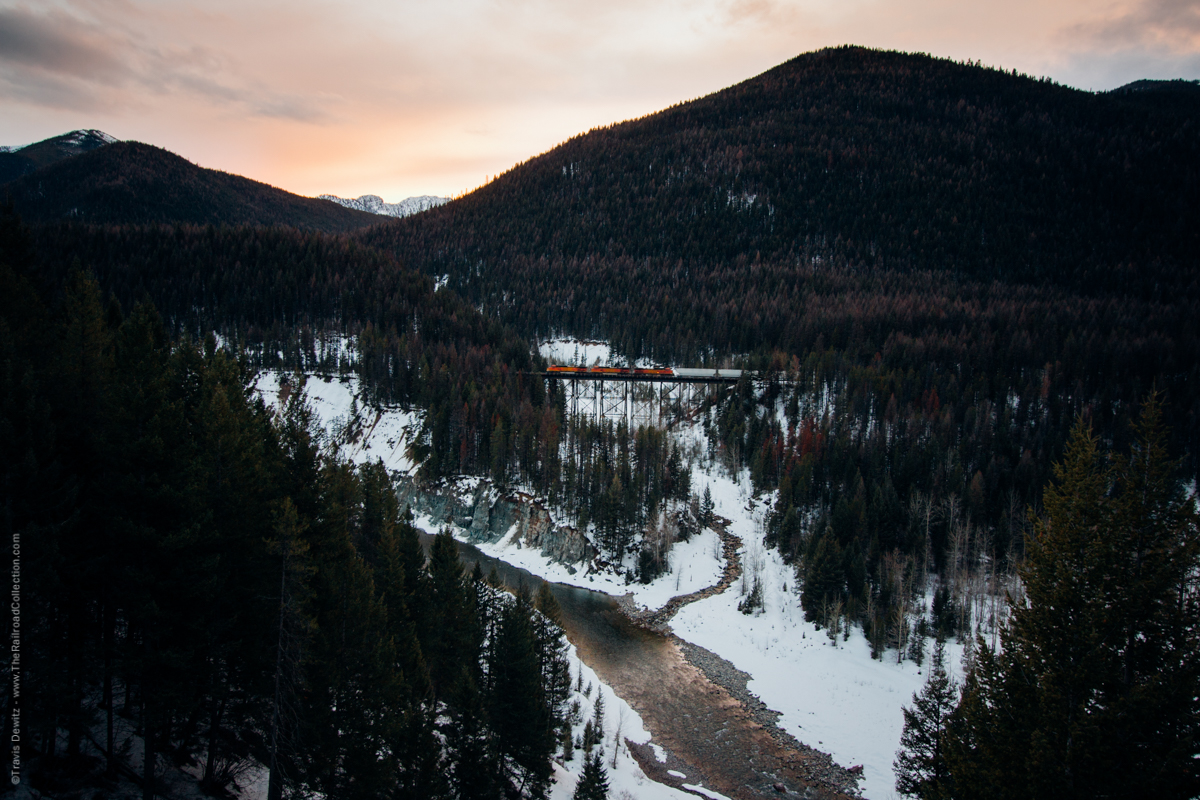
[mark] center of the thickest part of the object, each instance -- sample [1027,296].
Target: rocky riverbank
[816,769]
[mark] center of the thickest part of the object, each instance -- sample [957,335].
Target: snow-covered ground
[576,352]
[832,695]
[338,404]
[570,352]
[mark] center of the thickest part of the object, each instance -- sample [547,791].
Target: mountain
[21,160]
[373,204]
[135,183]
[1179,95]
[876,162]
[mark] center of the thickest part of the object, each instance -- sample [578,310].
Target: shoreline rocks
[489,515]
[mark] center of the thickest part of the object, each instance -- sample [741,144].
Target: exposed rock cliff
[485,514]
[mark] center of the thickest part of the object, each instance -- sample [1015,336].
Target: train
[677,372]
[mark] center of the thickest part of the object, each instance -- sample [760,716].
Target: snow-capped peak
[374,204]
[82,139]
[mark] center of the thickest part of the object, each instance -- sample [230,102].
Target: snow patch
[362,433]
[695,787]
[571,352]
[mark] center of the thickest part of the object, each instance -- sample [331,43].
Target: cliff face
[487,515]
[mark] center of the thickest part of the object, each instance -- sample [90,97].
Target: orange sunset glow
[403,99]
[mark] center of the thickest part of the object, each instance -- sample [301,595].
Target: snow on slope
[576,352]
[74,140]
[567,351]
[373,204]
[339,406]
[832,695]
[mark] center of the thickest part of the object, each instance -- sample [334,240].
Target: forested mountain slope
[134,183]
[883,160]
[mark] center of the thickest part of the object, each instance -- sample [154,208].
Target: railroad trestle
[638,396]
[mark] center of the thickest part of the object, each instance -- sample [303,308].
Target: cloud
[92,54]
[1174,24]
[57,43]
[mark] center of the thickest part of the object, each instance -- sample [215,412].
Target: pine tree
[706,508]
[292,628]
[473,769]
[920,766]
[454,641]
[593,783]
[1093,692]
[552,655]
[824,579]
[519,711]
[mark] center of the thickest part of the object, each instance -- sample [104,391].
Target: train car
[691,372]
[655,372]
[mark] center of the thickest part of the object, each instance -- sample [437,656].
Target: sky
[401,98]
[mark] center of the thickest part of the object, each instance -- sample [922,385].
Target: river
[708,735]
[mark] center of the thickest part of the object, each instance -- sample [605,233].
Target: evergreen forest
[207,575]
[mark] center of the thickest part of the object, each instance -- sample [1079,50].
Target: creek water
[707,734]
[592,620]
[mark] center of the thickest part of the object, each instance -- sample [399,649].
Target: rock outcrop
[484,514]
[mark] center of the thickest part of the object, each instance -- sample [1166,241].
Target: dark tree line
[1093,691]
[198,575]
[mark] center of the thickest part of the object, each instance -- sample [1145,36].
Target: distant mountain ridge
[374,204]
[18,160]
[130,183]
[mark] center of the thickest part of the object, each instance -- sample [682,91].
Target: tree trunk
[213,730]
[110,770]
[149,756]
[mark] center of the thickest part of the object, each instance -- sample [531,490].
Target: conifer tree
[292,627]
[920,766]
[552,655]
[706,507]
[473,768]
[593,783]
[519,711]
[1094,690]
[454,641]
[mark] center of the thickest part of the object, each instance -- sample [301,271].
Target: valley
[830,696]
[937,527]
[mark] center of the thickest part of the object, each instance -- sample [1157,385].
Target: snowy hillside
[361,433]
[374,204]
[829,691]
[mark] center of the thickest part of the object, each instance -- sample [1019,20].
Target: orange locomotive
[610,371]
